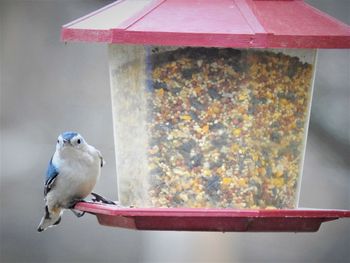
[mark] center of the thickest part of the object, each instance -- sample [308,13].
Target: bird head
[70,141]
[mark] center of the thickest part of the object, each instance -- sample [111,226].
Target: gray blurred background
[48,87]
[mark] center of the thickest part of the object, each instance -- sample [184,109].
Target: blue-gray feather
[51,172]
[51,175]
[69,135]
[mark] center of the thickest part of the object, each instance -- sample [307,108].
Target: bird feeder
[211,104]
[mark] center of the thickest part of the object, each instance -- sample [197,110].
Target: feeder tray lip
[221,23]
[219,220]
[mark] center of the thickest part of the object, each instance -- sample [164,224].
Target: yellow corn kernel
[185,117]
[206,172]
[262,171]
[242,182]
[242,96]
[160,92]
[197,89]
[226,181]
[234,147]
[205,128]
[237,132]
[278,173]
[278,182]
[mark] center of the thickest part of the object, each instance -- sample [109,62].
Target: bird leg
[71,206]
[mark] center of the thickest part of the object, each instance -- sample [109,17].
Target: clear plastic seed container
[210,127]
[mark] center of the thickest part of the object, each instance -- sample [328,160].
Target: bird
[71,175]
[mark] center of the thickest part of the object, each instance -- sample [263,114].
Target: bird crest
[69,135]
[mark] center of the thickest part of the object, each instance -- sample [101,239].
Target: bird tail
[50,219]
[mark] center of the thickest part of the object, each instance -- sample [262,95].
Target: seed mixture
[225,127]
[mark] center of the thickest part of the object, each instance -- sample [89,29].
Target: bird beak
[65,142]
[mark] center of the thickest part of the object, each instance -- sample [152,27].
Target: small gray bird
[72,174]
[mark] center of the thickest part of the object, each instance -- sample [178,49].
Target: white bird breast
[78,173]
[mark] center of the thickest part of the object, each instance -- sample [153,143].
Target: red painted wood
[178,39]
[297,24]
[221,23]
[219,17]
[133,19]
[295,18]
[250,17]
[88,35]
[224,220]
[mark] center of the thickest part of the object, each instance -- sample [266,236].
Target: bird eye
[78,141]
[58,141]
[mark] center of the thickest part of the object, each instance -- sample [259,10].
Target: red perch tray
[222,220]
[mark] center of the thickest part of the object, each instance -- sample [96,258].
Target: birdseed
[226,127]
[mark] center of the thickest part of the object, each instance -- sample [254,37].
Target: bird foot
[77,214]
[72,205]
[101,199]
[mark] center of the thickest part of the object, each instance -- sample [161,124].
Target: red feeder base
[221,220]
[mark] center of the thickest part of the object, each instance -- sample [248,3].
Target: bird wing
[51,175]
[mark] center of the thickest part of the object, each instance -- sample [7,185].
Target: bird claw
[97,198]
[72,205]
[77,214]
[101,199]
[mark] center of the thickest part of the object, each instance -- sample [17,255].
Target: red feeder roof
[220,23]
